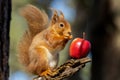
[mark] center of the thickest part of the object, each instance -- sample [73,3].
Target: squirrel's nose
[69,33]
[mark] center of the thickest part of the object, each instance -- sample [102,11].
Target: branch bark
[5,16]
[66,70]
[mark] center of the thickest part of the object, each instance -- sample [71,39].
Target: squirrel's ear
[61,14]
[55,17]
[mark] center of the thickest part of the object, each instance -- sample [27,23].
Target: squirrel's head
[60,25]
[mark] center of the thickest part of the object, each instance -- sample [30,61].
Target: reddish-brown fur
[41,43]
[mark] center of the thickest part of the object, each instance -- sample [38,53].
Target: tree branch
[66,70]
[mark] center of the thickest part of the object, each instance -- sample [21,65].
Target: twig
[66,70]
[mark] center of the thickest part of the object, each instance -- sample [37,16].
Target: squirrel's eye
[61,25]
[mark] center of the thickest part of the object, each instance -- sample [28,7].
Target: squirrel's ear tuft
[61,14]
[55,17]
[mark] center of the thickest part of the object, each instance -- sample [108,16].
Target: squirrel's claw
[45,73]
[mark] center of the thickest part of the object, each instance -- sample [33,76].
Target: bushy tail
[37,21]
[23,48]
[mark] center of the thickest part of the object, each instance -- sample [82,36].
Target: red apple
[79,48]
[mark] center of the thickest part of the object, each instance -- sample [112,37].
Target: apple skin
[79,48]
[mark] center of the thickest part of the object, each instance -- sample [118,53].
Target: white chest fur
[52,59]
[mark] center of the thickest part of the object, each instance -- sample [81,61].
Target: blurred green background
[75,12]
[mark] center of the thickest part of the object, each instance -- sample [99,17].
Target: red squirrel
[43,40]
